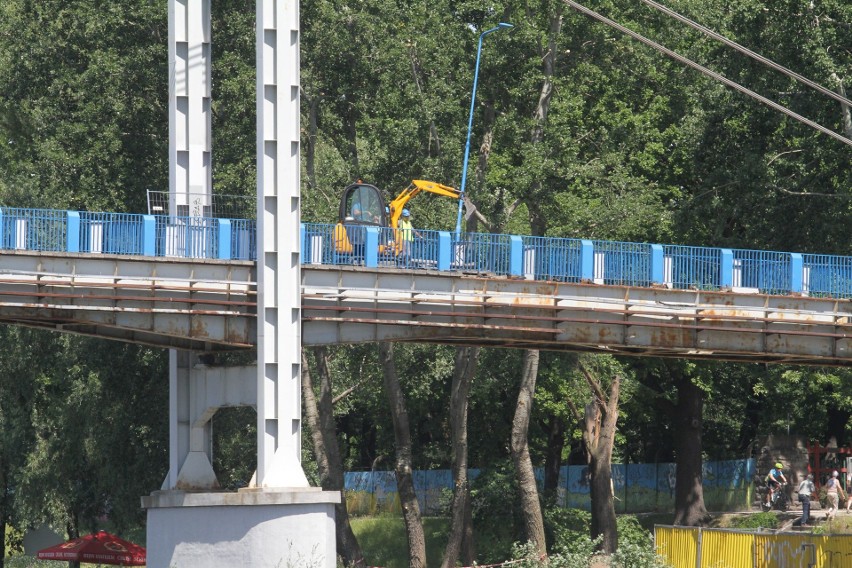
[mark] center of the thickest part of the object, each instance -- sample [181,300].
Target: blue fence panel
[319,246]
[692,267]
[553,258]
[767,271]
[244,239]
[34,229]
[828,276]
[188,237]
[482,252]
[424,250]
[623,264]
[666,482]
[111,233]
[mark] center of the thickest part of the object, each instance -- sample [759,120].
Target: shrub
[566,528]
[631,532]
[496,511]
[583,554]
[767,520]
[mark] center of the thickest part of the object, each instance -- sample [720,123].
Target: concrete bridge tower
[279,520]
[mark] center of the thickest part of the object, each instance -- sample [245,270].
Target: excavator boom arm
[416,186]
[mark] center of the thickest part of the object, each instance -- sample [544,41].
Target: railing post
[657,262]
[726,271]
[303,233]
[371,247]
[72,227]
[796,273]
[445,250]
[516,256]
[224,237]
[2,220]
[149,235]
[587,261]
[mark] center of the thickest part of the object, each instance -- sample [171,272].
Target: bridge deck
[210,305]
[166,302]
[346,305]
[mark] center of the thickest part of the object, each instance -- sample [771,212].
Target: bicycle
[779,499]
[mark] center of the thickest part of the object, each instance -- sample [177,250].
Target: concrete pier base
[249,528]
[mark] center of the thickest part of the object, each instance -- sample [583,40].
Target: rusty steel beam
[347,305]
[195,304]
[210,305]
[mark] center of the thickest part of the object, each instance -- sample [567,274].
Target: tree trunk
[537,217]
[4,510]
[553,459]
[3,540]
[845,111]
[688,422]
[320,420]
[465,368]
[600,485]
[530,505]
[311,140]
[598,425]
[404,477]
[71,527]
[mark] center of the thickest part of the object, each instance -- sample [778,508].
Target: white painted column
[278,241]
[178,414]
[190,141]
[190,181]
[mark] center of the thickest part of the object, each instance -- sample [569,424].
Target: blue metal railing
[692,267]
[539,258]
[829,276]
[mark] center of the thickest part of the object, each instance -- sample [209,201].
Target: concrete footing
[248,528]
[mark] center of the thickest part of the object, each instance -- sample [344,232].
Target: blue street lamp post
[500,26]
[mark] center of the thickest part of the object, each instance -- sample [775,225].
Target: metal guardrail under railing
[534,258]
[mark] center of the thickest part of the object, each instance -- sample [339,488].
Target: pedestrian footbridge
[191,283]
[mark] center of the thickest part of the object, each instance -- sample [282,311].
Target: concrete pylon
[280,520]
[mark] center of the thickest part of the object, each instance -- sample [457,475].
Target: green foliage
[384,542]
[583,555]
[766,520]
[234,446]
[631,534]
[567,529]
[496,511]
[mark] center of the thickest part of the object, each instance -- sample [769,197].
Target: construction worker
[408,234]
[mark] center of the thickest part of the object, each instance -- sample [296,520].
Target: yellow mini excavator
[362,205]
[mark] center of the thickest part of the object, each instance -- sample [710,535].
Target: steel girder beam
[350,305]
[195,304]
[209,305]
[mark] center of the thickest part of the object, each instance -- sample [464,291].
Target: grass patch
[385,544]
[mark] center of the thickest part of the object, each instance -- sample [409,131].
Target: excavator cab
[361,206]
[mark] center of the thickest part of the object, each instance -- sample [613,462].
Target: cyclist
[773,481]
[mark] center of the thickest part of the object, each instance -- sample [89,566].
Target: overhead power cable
[709,73]
[742,49]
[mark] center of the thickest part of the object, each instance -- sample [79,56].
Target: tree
[530,505]
[320,420]
[598,422]
[688,425]
[403,469]
[91,456]
[18,374]
[461,529]
[85,104]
